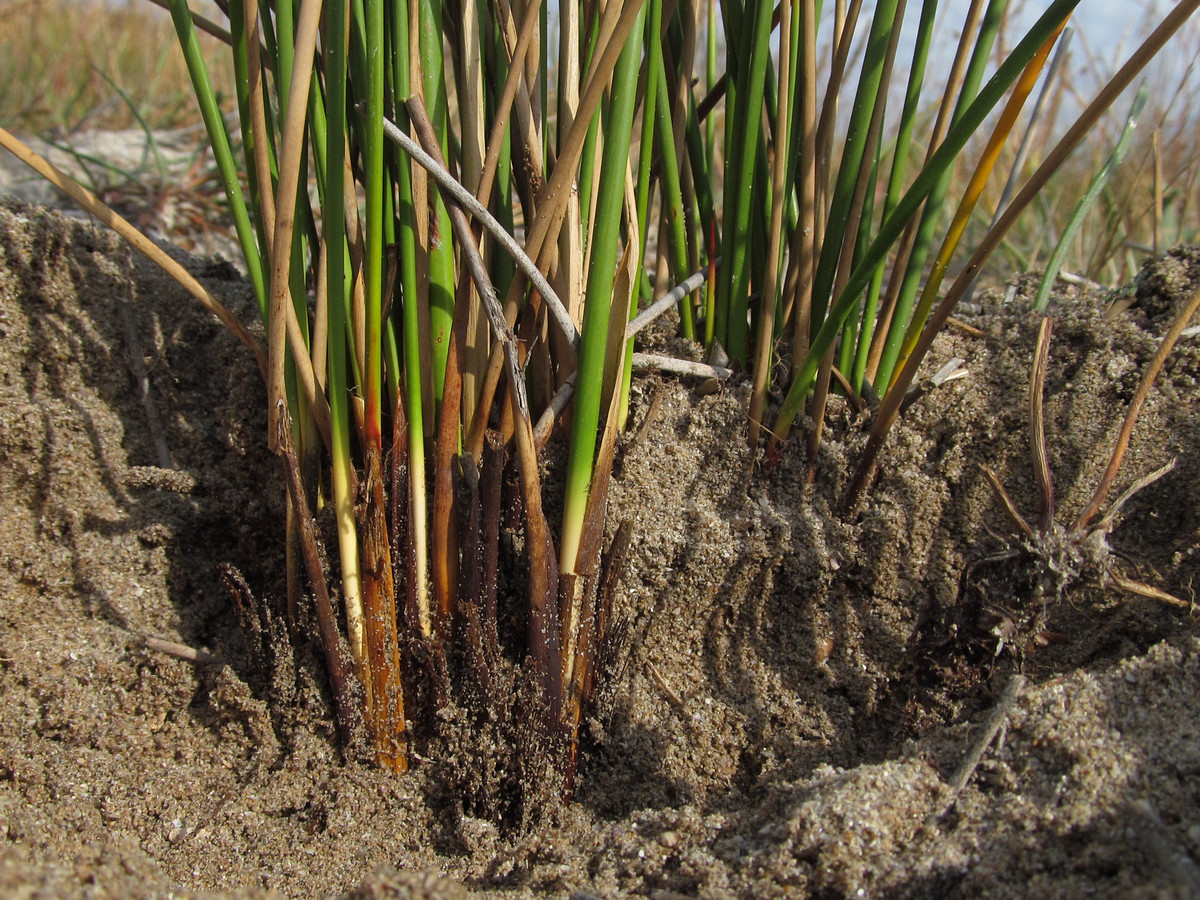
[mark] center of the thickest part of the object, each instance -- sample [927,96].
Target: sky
[1106,31]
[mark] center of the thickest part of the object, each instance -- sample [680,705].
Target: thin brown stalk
[846,257]
[1010,508]
[1135,407]
[717,92]
[468,61]
[714,96]
[208,26]
[528,165]
[551,204]
[318,404]
[569,273]
[180,651]
[258,121]
[443,537]
[1148,590]
[544,635]
[945,117]
[320,334]
[337,656]
[826,126]
[1037,124]
[682,93]
[1110,517]
[903,252]
[957,75]
[422,206]
[817,411]
[1037,426]
[469,84]
[495,142]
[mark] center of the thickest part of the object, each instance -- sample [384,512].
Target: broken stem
[1135,407]
[1037,426]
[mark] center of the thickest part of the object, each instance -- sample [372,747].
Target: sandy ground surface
[797,688]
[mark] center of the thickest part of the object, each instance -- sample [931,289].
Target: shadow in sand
[73,280]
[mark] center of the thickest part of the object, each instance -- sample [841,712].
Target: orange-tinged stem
[983,171]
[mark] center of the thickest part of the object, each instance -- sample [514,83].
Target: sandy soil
[797,688]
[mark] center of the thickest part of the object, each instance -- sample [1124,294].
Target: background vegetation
[130,48]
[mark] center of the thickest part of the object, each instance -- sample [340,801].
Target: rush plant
[417,355]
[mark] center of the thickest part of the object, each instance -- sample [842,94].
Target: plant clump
[1008,598]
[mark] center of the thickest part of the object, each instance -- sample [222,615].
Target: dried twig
[667,301]
[479,212]
[991,727]
[180,651]
[1037,426]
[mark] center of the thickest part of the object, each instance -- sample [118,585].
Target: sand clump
[777,725]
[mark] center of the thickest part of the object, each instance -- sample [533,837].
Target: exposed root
[1014,593]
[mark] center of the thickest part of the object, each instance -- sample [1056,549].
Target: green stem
[743,136]
[931,216]
[218,137]
[903,144]
[589,385]
[341,465]
[1054,264]
[374,187]
[441,248]
[924,184]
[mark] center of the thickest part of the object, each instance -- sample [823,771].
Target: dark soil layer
[796,687]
